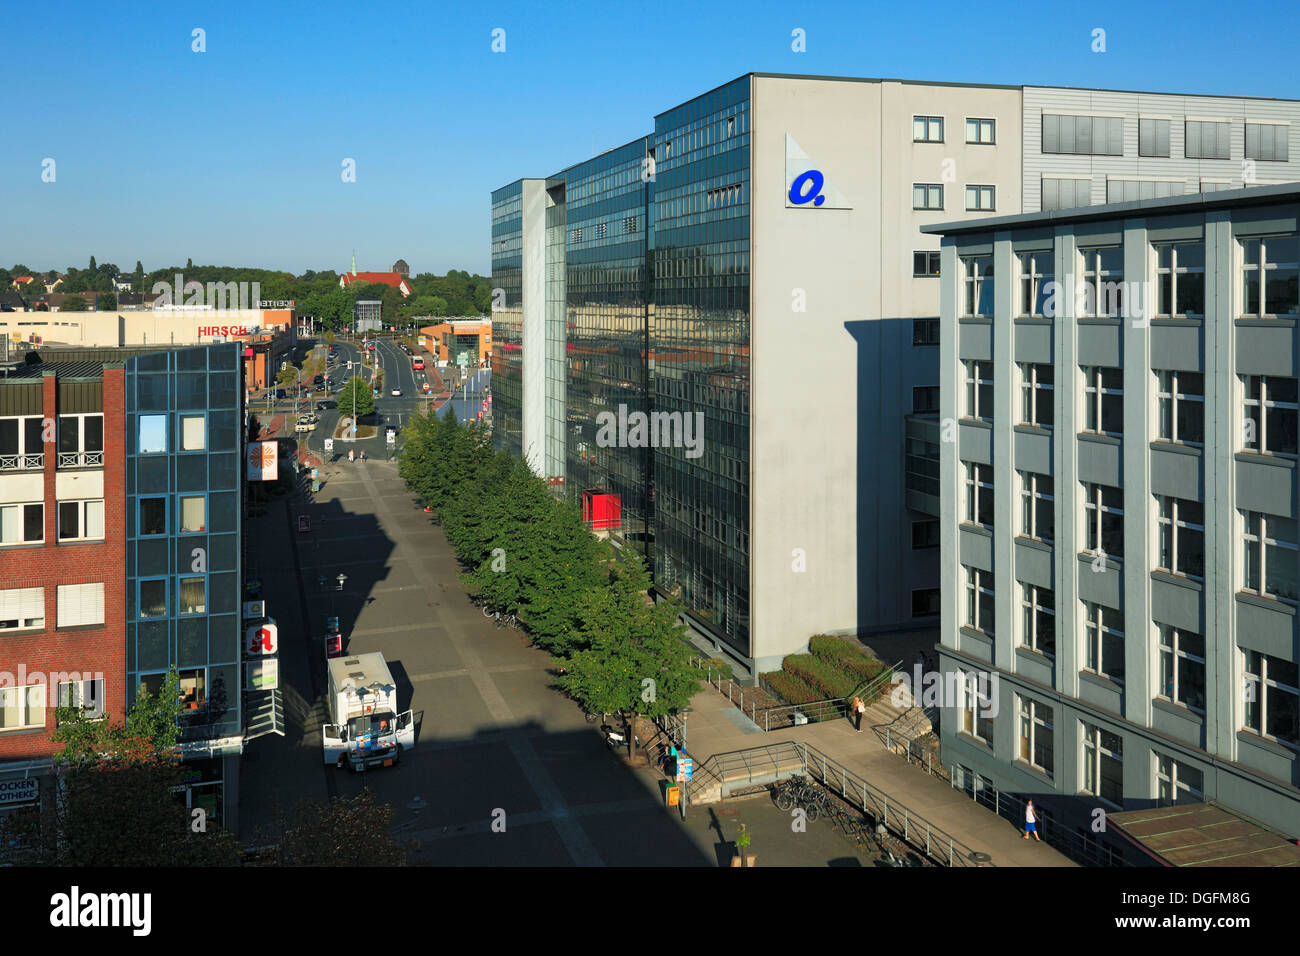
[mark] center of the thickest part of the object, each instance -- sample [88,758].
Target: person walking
[351,455]
[858,707]
[1031,821]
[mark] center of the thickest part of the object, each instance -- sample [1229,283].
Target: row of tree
[524,552]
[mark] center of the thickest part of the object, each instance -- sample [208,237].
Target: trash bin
[674,795]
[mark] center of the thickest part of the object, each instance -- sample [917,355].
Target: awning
[1203,834]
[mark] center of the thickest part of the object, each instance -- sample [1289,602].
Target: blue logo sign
[814,194]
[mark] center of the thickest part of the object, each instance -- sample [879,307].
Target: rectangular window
[976,707]
[1153,137]
[925,602]
[1103,764]
[1103,647]
[925,398]
[153,598]
[22,609]
[22,708]
[1269,424]
[1103,515]
[1270,566]
[1037,507]
[194,429]
[979,389]
[979,600]
[153,434]
[80,605]
[153,516]
[1181,536]
[977,276]
[1270,268]
[1103,396]
[1177,782]
[1272,697]
[925,265]
[979,494]
[981,131]
[22,523]
[22,445]
[1036,394]
[1206,140]
[1103,282]
[925,331]
[1035,734]
[927,129]
[81,520]
[1182,667]
[1037,285]
[1065,193]
[194,514]
[193,596]
[927,195]
[1181,397]
[86,696]
[1038,619]
[981,198]
[1132,190]
[925,534]
[1267,142]
[1083,135]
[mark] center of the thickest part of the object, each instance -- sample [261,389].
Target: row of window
[24,522]
[23,708]
[930,196]
[79,605]
[1202,139]
[79,441]
[980,131]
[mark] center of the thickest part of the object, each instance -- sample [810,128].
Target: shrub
[846,657]
[792,689]
[720,666]
[827,678]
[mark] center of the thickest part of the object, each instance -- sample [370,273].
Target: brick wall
[93,649]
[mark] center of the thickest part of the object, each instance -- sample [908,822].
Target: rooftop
[1203,834]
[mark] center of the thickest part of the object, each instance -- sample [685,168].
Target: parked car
[318,379]
[325,405]
[306,424]
[397,392]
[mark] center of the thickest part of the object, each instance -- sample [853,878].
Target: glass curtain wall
[507,318]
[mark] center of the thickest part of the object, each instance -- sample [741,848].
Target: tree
[107,301]
[356,390]
[93,267]
[344,832]
[189,265]
[74,303]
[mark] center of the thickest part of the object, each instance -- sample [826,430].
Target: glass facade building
[507,317]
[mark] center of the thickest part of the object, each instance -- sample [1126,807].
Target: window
[1103,515]
[1036,394]
[1272,697]
[1103,396]
[153,598]
[1083,135]
[1270,563]
[153,516]
[1269,274]
[1103,764]
[1131,190]
[1182,536]
[979,494]
[80,605]
[925,265]
[925,398]
[1066,193]
[981,198]
[1267,142]
[927,195]
[1181,397]
[1205,140]
[1103,282]
[1269,426]
[925,534]
[981,131]
[22,444]
[81,440]
[1038,619]
[977,275]
[194,514]
[1153,137]
[1177,782]
[1037,272]
[979,600]
[22,707]
[1182,667]
[22,523]
[925,331]
[1103,646]
[926,602]
[629,224]
[22,609]
[1037,507]
[927,129]
[600,230]
[1035,734]
[976,707]
[193,596]
[194,429]
[86,696]
[979,389]
[82,520]
[153,434]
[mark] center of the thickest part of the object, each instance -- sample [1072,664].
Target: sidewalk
[715,726]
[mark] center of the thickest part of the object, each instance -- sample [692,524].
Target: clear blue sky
[233,156]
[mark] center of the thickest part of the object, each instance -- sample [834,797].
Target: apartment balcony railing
[22,462]
[81,459]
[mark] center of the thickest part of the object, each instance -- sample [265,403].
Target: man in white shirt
[1031,821]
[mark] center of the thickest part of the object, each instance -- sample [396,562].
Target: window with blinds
[81,604]
[22,608]
[193,428]
[1153,137]
[1206,140]
[194,514]
[1083,135]
[1267,142]
[1066,193]
[1131,190]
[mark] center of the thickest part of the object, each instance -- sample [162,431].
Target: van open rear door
[406,730]
[333,742]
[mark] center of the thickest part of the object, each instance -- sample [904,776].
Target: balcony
[81,459]
[22,462]
[921,463]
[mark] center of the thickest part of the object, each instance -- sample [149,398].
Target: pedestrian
[351,455]
[1031,821]
[858,707]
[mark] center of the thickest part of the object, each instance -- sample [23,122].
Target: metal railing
[81,459]
[674,727]
[21,462]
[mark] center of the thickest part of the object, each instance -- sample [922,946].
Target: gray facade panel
[1178,722]
[1034,342]
[975,443]
[1266,349]
[1175,473]
[975,645]
[1267,627]
[1100,462]
[1033,451]
[1034,564]
[976,341]
[1100,345]
[1177,347]
[1098,692]
[976,549]
[1034,667]
[1265,486]
[1103,587]
[1177,606]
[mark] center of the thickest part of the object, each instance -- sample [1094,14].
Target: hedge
[790,688]
[846,657]
[826,677]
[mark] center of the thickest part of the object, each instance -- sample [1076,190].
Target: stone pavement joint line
[575,838]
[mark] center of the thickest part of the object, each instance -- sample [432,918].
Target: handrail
[867,691]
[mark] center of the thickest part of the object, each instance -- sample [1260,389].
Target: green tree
[356,395]
[189,265]
[347,831]
[107,301]
[92,267]
[74,303]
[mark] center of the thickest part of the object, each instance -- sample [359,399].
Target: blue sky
[233,156]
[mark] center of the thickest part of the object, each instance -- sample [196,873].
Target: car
[390,430]
[397,392]
[305,424]
[326,405]
[318,379]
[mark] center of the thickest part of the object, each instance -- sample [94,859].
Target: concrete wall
[146,327]
[534,326]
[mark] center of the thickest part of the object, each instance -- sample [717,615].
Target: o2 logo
[814,181]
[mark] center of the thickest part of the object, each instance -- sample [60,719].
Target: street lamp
[341,579]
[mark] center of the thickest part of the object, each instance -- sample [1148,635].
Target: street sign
[329,446]
[392,438]
[261,640]
[254,609]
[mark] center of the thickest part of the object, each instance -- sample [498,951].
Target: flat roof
[1170,205]
[1203,834]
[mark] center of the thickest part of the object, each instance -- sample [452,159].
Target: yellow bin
[674,796]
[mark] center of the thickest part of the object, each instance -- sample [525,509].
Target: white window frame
[978,374]
[1094,511]
[24,459]
[1096,632]
[1037,269]
[10,598]
[1261,540]
[1260,417]
[81,457]
[1095,393]
[978,482]
[1035,601]
[86,695]
[1169,396]
[1031,494]
[1166,770]
[1173,271]
[1030,386]
[978,584]
[1171,524]
[1171,652]
[973,706]
[19,508]
[1255,269]
[973,279]
[1030,717]
[32,704]
[80,605]
[84,508]
[1092,752]
[1098,284]
[1261,689]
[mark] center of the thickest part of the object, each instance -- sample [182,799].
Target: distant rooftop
[1203,834]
